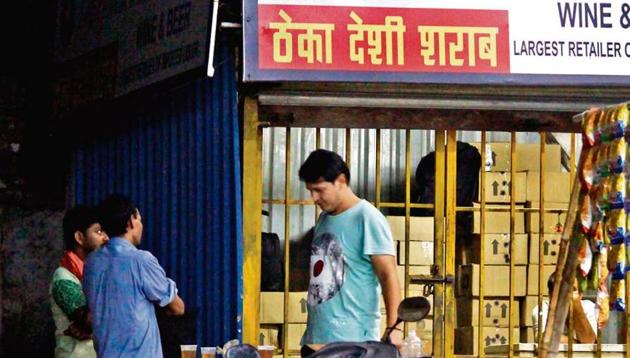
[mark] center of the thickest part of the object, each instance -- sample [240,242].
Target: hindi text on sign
[482,44]
[314,40]
[374,33]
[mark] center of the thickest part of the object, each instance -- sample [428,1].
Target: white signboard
[526,41]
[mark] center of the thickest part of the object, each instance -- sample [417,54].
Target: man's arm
[176,307]
[385,269]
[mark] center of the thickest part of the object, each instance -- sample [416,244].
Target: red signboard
[335,38]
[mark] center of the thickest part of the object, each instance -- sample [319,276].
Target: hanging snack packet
[619,122]
[617,261]
[602,195]
[617,295]
[602,167]
[587,175]
[586,218]
[617,195]
[616,254]
[616,226]
[618,154]
[603,302]
[590,126]
[607,128]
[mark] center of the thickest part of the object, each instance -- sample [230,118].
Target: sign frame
[253,73]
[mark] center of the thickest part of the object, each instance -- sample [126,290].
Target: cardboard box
[270,335]
[271,307]
[497,249]
[498,156]
[528,303]
[496,312]
[557,187]
[421,228]
[498,187]
[551,248]
[413,270]
[532,279]
[498,222]
[420,253]
[294,336]
[554,221]
[297,307]
[527,335]
[496,281]
[466,338]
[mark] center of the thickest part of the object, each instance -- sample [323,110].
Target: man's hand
[396,338]
[77,331]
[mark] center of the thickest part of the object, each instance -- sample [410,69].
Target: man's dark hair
[114,213]
[550,282]
[323,164]
[78,218]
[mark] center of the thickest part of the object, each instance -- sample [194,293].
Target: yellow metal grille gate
[444,304]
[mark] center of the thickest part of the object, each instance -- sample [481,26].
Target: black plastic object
[357,350]
[242,351]
[412,309]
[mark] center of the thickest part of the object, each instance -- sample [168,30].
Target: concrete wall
[30,247]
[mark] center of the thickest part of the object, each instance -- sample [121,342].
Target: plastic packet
[617,260]
[603,302]
[607,128]
[602,169]
[617,295]
[619,122]
[602,195]
[616,226]
[586,218]
[617,152]
[587,176]
[617,195]
[589,126]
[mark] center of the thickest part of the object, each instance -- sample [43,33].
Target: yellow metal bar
[541,230]
[451,226]
[407,210]
[571,321]
[348,147]
[512,225]
[287,240]
[381,204]
[377,180]
[318,144]
[438,250]
[252,220]
[482,240]
[570,331]
[627,278]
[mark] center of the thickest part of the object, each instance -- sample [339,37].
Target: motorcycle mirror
[413,309]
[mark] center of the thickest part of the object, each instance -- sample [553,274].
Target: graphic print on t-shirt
[327,269]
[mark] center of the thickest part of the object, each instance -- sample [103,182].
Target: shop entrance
[485,271]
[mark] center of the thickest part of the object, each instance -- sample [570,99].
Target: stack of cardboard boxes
[493,320]
[272,318]
[557,192]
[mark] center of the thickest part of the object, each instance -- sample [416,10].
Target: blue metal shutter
[180,163]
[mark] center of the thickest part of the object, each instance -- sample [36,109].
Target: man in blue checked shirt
[123,285]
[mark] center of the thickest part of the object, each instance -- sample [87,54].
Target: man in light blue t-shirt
[352,260]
